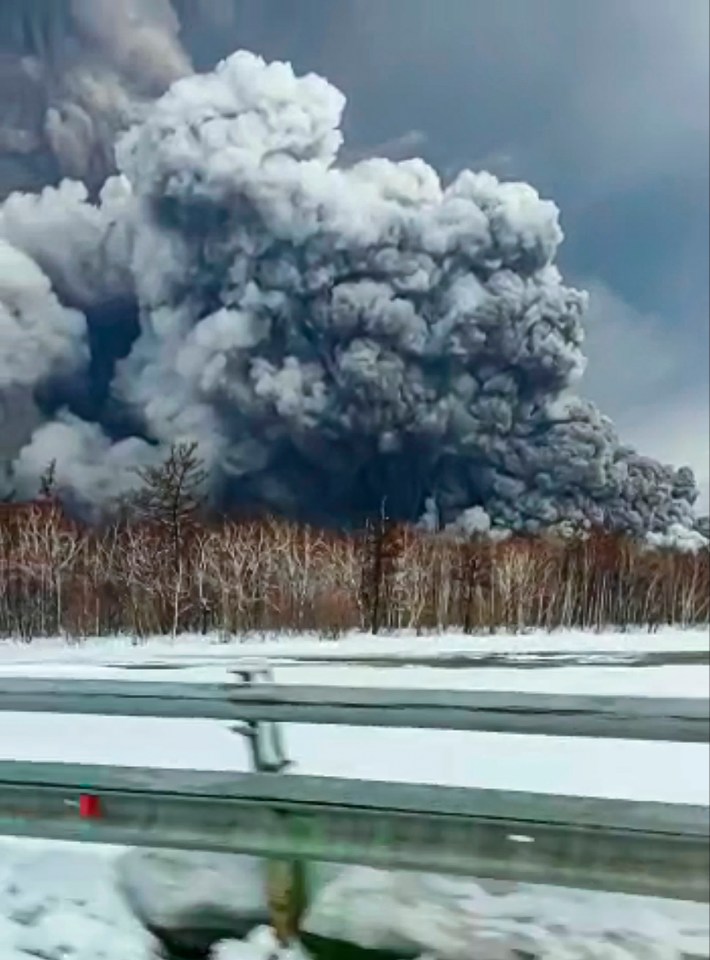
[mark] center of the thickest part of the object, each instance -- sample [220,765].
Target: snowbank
[453,919]
[259,945]
[59,902]
[191,900]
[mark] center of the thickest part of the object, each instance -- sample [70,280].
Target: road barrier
[636,847]
[649,848]
[626,718]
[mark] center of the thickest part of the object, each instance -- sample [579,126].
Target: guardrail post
[286,881]
[264,736]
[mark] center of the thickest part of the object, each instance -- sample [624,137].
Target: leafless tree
[163,567]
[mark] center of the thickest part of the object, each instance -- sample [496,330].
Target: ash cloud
[74,74]
[333,335]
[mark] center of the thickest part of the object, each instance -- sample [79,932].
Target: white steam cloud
[332,336]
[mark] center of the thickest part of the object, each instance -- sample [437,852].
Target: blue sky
[601,104]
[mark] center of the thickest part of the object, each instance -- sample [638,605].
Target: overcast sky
[601,104]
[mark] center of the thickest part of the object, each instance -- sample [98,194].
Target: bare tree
[161,569]
[172,496]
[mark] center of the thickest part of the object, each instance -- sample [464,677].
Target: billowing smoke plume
[334,337]
[74,73]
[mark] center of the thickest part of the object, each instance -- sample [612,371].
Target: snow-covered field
[573,663]
[403,645]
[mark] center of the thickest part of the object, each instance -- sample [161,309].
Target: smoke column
[74,73]
[334,337]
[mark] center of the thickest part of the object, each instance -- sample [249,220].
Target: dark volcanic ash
[334,337]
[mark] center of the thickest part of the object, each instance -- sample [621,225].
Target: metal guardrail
[632,718]
[643,848]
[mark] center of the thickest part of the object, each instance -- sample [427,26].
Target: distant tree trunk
[372,573]
[383,548]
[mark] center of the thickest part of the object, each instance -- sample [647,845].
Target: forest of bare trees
[161,566]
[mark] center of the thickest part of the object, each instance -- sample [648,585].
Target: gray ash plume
[333,336]
[75,73]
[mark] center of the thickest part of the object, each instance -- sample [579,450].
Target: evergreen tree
[48,482]
[172,495]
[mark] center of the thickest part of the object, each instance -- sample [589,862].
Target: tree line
[163,565]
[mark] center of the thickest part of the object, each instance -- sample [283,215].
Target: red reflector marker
[89,806]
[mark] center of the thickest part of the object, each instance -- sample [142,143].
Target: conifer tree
[173,495]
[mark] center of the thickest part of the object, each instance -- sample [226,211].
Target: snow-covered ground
[669,772]
[59,902]
[628,663]
[403,645]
